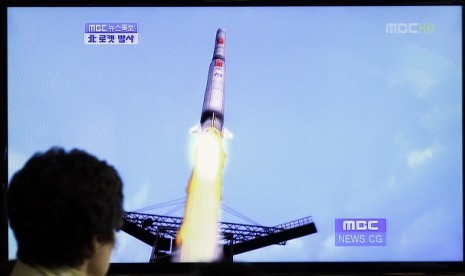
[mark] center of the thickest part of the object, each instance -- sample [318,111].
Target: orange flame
[198,236]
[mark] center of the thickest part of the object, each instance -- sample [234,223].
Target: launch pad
[160,231]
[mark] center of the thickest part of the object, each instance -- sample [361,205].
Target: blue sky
[332,117]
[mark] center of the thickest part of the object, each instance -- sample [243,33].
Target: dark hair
[59,202]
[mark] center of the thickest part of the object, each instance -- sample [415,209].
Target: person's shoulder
[22,269]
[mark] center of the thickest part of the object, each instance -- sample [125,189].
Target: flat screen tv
[346,124]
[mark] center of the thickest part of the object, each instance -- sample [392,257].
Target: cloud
[420,157]
[433,235]
[417,158]
[392,182]
[422,71]
[328,247]
[443,117]
[331,252]
[419,81]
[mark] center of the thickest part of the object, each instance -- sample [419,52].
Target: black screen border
[267,268]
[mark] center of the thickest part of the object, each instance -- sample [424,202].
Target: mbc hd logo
[410,28]
[360,232]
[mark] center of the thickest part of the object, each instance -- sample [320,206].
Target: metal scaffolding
[160,231]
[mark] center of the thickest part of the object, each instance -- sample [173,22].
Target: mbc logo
[97,28]
[360,232]
[360,225]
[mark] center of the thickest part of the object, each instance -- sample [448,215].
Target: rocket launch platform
[160,232]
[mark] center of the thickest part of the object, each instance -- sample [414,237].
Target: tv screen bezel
[282,268]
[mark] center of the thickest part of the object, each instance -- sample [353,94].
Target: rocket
[213,102]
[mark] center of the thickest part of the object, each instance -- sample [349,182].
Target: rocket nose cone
[220,36]
[219,44]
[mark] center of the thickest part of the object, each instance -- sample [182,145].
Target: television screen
[348,119]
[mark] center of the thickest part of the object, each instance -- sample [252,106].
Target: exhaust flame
[198,236]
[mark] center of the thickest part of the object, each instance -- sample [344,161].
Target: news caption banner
[360,232]
[111,34]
